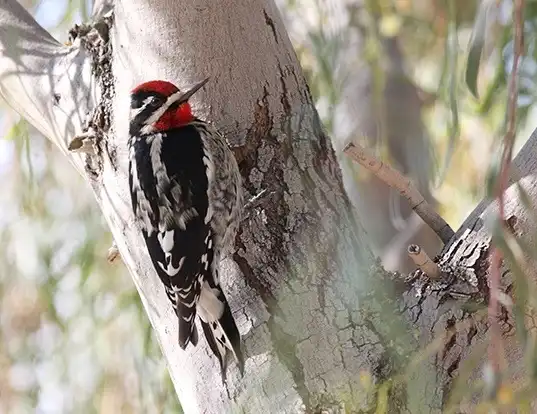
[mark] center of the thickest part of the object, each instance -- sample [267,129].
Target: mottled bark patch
[95,39]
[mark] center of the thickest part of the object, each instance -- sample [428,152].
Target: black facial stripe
[138,99]
[139,119]
[143,105]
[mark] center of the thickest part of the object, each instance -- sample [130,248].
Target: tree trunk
[314,310]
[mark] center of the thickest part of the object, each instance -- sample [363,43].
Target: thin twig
[509,139]
[406,188]
[423,261]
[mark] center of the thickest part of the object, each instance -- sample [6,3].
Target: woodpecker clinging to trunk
[187,197]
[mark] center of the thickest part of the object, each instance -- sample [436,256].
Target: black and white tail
[185,310]
[219,326]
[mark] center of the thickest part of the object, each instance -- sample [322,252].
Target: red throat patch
[174,119]
[183,114]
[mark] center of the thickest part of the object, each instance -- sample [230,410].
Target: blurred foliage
[73,334]
[442,41]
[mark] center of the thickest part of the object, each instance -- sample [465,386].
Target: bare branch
[423,261]
[391,254]
[406,188]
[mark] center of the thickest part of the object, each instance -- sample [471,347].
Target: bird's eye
[156,101]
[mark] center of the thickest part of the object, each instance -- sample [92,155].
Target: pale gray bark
[259,97]
[301,284]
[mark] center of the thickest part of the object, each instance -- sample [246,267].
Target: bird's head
[159,105]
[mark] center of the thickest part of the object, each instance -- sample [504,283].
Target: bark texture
[312,306]
[294,243]
[300,255]
[454,304]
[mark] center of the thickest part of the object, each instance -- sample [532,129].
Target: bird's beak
[185,96]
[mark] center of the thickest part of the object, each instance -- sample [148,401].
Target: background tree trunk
[313,309]
[387,114]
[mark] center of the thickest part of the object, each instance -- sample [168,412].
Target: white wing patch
[210,308]
[204,261]
[209,170]
[166,240]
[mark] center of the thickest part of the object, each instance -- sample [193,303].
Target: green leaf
[491,179]
[18,130]
[382,397]
[475,50]
[452,50]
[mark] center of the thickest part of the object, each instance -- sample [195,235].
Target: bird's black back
[182,154]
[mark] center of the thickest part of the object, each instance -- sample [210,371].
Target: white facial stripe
[136,111]
[173,97]
[159,112]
